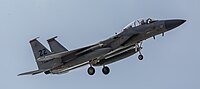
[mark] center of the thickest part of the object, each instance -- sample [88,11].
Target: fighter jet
[120,46]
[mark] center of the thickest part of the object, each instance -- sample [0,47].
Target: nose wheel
[140,57]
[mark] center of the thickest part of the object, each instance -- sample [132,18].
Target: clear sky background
[170,62]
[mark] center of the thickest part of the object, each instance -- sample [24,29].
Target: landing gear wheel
[140,57]
[105,70]
[91,70]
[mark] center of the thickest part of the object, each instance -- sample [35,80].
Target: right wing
[32,72]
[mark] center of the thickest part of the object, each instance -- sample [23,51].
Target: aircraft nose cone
[170,24]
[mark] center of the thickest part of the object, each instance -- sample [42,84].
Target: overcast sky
[170,62]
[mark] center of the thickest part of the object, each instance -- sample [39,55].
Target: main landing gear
[91,70]
[105,70]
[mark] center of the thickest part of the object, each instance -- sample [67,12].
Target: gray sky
[170,62]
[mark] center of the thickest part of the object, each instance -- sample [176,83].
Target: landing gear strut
[91,70]
[105,70]
[139,47]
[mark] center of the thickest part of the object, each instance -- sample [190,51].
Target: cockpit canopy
[140,22]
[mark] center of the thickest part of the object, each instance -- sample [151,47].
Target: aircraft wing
[32,72]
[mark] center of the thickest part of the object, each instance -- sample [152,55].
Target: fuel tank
[116,56]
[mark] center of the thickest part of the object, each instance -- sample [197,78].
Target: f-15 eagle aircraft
[60,60]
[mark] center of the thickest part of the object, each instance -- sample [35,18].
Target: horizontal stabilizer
[32,72]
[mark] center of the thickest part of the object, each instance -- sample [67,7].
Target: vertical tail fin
[39,51]
[55,46]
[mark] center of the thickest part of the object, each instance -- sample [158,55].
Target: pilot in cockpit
[143,22]
[148,21]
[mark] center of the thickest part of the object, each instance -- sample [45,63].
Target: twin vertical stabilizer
[40,51]
[55,46]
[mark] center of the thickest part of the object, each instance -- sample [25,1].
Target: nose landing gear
[138,48]
[140,57]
